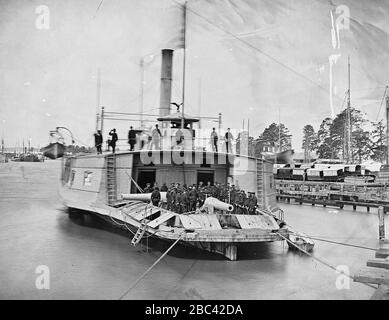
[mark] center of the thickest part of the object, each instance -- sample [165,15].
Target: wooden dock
[335,194]
[377,272]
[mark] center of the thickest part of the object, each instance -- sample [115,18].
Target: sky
[262,60]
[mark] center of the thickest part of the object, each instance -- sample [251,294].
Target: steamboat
[106,185]
[109,185]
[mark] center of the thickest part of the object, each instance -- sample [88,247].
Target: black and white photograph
[203,152]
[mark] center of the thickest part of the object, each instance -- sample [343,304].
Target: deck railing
[169,143]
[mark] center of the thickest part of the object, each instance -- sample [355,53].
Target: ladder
[111,179]
[139,233]
[260,183]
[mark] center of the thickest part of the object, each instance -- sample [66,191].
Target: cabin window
[87,178]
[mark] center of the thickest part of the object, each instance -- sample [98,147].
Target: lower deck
[225,241]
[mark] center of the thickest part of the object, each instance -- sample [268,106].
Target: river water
[93,261]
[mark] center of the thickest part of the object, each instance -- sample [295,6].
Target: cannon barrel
[211,202]
[141,196]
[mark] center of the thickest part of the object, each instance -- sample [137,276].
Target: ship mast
[387,126]
[141,89]
[279,129]
[2,138]
[184,67]
[348,119]
[98,96]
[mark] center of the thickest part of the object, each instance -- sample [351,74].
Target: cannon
[141,196]
[212,203]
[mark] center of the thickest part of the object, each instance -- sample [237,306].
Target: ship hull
[227,243]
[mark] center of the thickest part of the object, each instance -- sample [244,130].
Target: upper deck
[105,177]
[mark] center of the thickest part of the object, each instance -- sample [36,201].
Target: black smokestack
[166,82]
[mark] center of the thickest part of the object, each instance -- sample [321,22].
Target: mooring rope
[329,241]
[151,267]
[335,242]
[122,225]
[125,225]
[321,261]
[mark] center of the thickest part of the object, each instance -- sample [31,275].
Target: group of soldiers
[184,198]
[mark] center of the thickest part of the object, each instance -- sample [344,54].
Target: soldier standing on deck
[233,197]
[131,138]
[98,141]
[241,202]
[246,204]
[224,193]
[237,201]
[155,197]
[214,139]
[168,199]
[250,203]
[255,202]
[155,138]
[173,196]
[179,201]
[192,198]
[185,200]
[148,188]
[208,189]
[114,139]
[228,137]
[201,197]
[215,190]
[164,187]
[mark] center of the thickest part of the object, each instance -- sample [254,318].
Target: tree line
[274,138]
[368,139]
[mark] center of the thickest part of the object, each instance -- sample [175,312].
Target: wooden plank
[201,221]
[133,204]
[131,211]
[133,207]
[256,222]
[378,263]
[372,275]
[210,222]
[382,253]
[244,224]
[156,222]
[142,214]
[189,223]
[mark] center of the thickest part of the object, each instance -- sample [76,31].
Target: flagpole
[183,69]
[98,97]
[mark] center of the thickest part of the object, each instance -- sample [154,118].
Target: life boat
[54,150]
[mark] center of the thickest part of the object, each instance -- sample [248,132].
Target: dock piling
[381,223]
